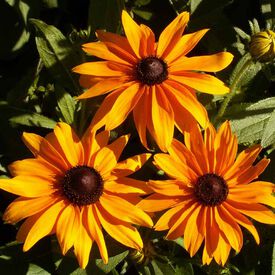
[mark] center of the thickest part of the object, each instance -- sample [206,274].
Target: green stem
[238,74]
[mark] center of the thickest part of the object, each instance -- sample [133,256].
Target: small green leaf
[143,14]
[57,54]
[66,104]
[36,270]
[268,11]
[112,262]
[269,132]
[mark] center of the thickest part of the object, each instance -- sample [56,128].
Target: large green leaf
[250,121]
[57,54]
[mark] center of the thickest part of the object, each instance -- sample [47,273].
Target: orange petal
[132,31]
[82,245]
[186,100]
[124,104]
[69,143]
[22,208]
[170,188]
[243,221]
[172,34]
[142,112]
[209,138]
[67,227]
[175,170]
[180,153]
[97,68]
[130,165]
[127,186]
[95,230]
[103,111]
[204,83]
[121,231]
[147,47]
[207,63]
[34,167]
[162,119]
[184,45]
[229,227]
[124,210]
[104,86]
[43,225]
[158,202]
[222,251]
[27,186]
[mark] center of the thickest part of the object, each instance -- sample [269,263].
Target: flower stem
[237,77]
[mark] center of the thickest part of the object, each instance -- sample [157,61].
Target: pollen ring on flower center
[151,70]
[82,185]
[211,189]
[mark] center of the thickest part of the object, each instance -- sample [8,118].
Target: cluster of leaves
[41,42]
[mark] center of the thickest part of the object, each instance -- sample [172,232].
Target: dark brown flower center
[151,70]
[82,185]
[211,189]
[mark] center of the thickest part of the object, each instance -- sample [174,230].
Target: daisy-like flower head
[154,80]
[75,189]
[210,193]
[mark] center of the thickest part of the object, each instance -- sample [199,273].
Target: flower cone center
[82,185]
[151,70]
[211,189]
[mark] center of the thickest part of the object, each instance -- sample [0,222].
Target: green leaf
[249,121]
[57,54]
[112,262]
[36,270]
[105,14]
[268,10]
[66,104]
[143,14]
[25,117]
[268,137]
[273,259]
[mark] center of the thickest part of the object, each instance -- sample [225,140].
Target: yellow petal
[170,188]
[229,227]
[132,31]
[147,47]
[22,208]
[187,100]
[127,186]
[69,144]
[82,245]
[204,83]
[175,170]
[43,225]
[121,231]
[124,210]
[101,50]
[162,119]
[130,165]
[171,34]
[67,227]
[243,221]
[97,68]
[207,63]
[34,167]
[104,86]
[95,230]
[124,104]
[184,45]
[27,186]
[158,202]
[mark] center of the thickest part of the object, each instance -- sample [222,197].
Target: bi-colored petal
[207,63]
[204,83]
[171,34]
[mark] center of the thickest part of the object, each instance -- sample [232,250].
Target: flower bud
[262,46]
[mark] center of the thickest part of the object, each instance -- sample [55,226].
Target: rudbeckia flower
[75,189]
[210,193]
[157,81]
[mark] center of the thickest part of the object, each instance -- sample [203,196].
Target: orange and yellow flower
[75,189]
[157,81]
[210,193]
